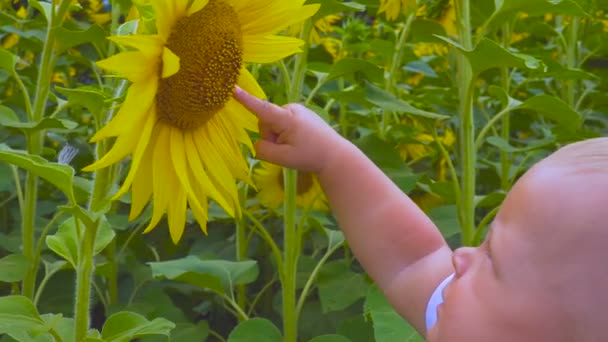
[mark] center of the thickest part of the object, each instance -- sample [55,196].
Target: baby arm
[392,238]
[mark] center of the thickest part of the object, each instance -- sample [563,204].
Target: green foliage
[394,88]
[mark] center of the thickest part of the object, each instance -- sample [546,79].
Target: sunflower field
[132,206]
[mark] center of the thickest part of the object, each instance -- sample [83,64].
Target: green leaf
[554,109]
[13,268]
[67,39]
[388,325]
[126,326]
[504,8]
[91,99]
[8,61]
[57,174]
[331,282]
[348,67]
[219,276]
[446,219]
[63,326]
[488,54]
[255,330]
[46,8]
[506,147]
[19,317]
[391,103]
[333,6]
[65,242]
[330,338]
[8,118]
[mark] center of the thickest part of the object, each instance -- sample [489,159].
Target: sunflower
[269,180]
[393,8]
[179,121]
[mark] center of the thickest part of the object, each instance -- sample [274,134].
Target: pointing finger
[266,111]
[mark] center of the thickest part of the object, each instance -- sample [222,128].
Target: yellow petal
[202,178]
[149,45]
[142,146]
[142,184]
[261,18]
[176,212]
[243,116]
[140,99]
[132,65]
[228,147]
[178,156]
[170,63]
[219,174]
[180,7]
[162,175]
[165,17]
[196,6]
[269,49]
[123,146]
[248,82]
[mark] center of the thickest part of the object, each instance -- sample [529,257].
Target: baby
[540,275]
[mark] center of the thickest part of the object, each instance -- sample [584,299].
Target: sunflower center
[304,182]
[209,45]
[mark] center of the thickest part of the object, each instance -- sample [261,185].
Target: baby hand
[292,135]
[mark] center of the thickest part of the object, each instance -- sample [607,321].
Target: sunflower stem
[34,146]
[84,277]
[467,127]
[395,64]
[241,248]
[291,234]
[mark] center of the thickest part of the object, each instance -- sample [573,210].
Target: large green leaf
[13,268]
[57,174]
[91,99]
[255,330]
[67,39]
[219,276]
[348,67]
[8,61]
[330,338]
[488,54]
[388,325]
[331,286]
[391,103]
[8,118]
[554,109]
[65,242]
[19,318]
[333,6]
[126,326]
[538,7]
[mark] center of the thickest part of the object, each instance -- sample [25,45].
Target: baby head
[541,273]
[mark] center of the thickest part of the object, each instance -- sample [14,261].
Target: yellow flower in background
[442,11]
[9,40]
[179,121]
[269,180]
[429,49]
[393,8]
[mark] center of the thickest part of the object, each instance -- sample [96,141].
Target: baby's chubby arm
[392,238]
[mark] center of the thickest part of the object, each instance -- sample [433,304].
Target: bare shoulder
[410,289]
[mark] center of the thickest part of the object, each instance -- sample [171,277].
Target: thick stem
[467,127]
[291,234]
[241,248]
[84,277]
[290,258]
[34,147]
[572,60]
